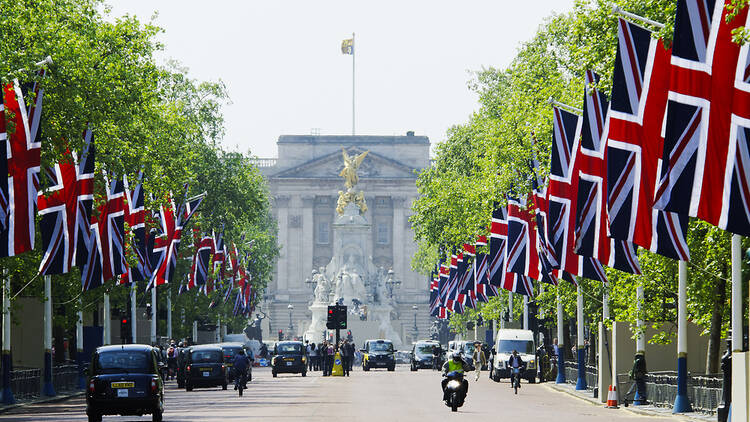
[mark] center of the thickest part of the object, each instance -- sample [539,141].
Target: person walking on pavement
[479,359]
[330,351]
[638,375]
[346,356]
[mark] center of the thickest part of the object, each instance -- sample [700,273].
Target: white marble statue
[322,286]
[349,286]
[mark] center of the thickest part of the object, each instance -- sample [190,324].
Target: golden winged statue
[351,164]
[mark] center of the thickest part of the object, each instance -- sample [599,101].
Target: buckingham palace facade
[304,184]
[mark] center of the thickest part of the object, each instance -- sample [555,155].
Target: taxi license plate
[206,374]
[122,392]
[289,363]
[123,385]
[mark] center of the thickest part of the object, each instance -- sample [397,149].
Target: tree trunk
[714,334]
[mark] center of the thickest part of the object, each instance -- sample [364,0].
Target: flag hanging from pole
[347,46]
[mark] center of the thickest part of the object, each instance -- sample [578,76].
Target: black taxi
[289,357]
[124,380]
[378,353]
[205,367]
[231,350]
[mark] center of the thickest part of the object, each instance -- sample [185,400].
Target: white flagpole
[133,312]
[354,52]
[153,314]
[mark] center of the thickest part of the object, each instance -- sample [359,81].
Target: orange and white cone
[612,397]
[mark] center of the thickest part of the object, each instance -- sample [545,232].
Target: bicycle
[515,378]
[240,381]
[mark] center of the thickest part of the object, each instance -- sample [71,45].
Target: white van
[507,341]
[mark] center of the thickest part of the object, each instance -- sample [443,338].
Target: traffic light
[332,315]
[125,333]
[341,319]
[281,335]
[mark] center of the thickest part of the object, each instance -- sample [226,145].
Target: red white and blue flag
[135,216]
[18,195]
[591,220]
[64,207]
[498,240]
[483,289]
[706,156]
[106,244]
[635,144]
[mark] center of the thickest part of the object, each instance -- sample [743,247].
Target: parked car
[205,367]
[289,357]
[378,354]
[422,354]
[507,341]
[124,380]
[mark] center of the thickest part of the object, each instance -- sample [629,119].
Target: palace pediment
[374,166]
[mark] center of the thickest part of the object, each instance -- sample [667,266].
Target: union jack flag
[562,197]
[498,239]
[202,262]
[518,283]
[635,143]
[443,276]
[106,258]
[220,254]
[521,252]
[467,297]
[172,223]
[135,216]
[18,200]
[591,221]
[484,290]
[63,205]
[705,157]
[434,296]
[452,287]
[3,163]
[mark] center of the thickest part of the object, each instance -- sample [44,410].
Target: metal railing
[704,391]
[571,374]
[65,377]
[25,383]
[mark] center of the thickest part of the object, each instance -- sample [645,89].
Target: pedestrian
[321,356]
[330,351]
[346,357]
[479,359]
[312,353]
[638,375]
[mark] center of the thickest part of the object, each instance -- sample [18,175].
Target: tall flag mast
[347,47]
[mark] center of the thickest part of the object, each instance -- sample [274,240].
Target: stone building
[304,183]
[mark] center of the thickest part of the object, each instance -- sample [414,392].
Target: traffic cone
[612,397]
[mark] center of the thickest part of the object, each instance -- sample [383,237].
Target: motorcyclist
[239,366]
[455,363]
[515,361]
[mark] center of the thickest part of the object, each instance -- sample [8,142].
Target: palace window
[383,234]
[324,233]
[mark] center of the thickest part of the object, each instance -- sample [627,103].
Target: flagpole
[107,321]
[79,345]
[133,311]
[47,388]
[580,347]
[169,314]
[354,52]
[560,345]
[153,314]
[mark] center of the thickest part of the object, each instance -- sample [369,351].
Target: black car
[124,380]
[378,354]
[422,354]
[230,352]
[289,357]
[205,367]
[181,364]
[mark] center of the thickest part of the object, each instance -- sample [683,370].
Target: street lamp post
[291,326]
[391,283]
[416,329]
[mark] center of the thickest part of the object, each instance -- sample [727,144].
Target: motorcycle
[454,389]
[240,382]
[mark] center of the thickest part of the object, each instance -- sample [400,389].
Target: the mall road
[377,396]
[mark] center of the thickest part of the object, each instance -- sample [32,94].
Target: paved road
[365,396]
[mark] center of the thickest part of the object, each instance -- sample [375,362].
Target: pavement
[376,395]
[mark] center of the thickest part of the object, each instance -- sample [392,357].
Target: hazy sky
[282,64]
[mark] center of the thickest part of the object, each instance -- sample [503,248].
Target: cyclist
[240,365]
[516,365]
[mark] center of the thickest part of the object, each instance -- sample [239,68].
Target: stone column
[398,238]
[307,241]
[282,209]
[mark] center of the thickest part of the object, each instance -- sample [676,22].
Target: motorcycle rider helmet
[456,355]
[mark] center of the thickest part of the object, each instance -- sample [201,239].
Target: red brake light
[188,368]
[92,386]
[154,385]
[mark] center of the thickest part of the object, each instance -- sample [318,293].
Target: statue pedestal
[317,329]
